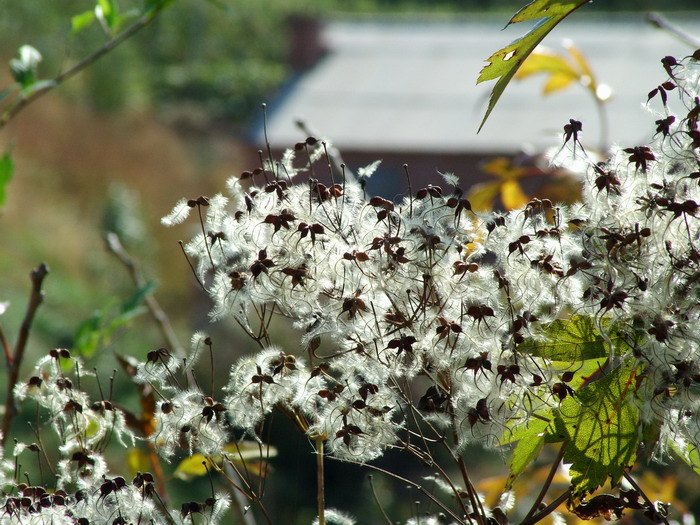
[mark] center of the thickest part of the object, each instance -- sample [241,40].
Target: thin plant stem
[636,487]
[24,101]
[159,316]
[194,272]
[376,499]
[659,21]
[7,350]
[547,483]
[548,509]
[473,496]
[320,481]
[13,365]
[413,484]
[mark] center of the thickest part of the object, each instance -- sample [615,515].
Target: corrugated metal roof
[410,85]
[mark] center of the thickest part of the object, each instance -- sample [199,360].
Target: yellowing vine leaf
[574,339]
[562,70]
[503,64]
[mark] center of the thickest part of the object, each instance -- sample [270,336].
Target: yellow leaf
[192,467]
[512,195]
[561,72]
[481,196]
[245,455]
[557,82]
[504,63]
[503,168]
[546,61]
[138,461]
[587,76]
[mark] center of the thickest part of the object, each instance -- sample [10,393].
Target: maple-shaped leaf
[601,425]
[482,196]
[504,63]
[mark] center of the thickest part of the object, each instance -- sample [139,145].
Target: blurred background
[176,110]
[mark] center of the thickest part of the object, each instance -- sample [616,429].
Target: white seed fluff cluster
[424,291]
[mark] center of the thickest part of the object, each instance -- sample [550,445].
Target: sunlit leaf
[504,168]
[6,169]
[246,456]
[482,196]
[686,451]
[138,461]
[194,466]
[575,339]
[87,337]
[530,442]
[602,428]
[503,64]
[561,71]
[512,195]
[544,60]
[81,21]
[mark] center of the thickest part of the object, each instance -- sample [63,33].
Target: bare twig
[160,317]
[15,360]
[547,483]
[320,481]
[646,499]
[24,101]
[547,510]
[659,21]
[407,481]
[376,499]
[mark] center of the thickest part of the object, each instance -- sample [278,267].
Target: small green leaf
[530,439]
[152,5]
[89,335]
[602,426]
[504,63]
[137,299]
[6,169]
[685,450]
[37,86]
[81,21]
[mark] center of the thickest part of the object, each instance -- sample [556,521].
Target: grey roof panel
[410,86]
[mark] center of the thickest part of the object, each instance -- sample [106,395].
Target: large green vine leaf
[504,63]
[601,427]
[575,339]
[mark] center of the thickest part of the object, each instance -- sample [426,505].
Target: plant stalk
[320,481]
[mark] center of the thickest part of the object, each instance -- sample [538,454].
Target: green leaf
[6,169]
[37,86]
[504,63]
[151,6]
[89,335]
[602,427]
[137,299]
[81,21]
[688,452]
[530,439]
[575,339]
